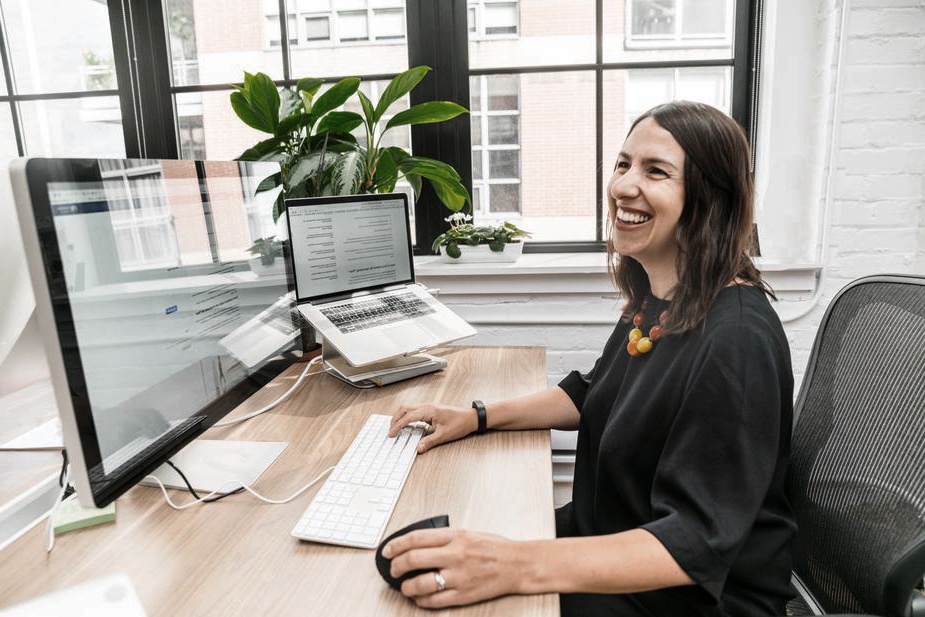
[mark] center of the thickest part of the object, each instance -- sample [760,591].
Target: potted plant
[319,155]
[467,243]
[265,250]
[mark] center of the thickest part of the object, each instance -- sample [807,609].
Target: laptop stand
[378,373]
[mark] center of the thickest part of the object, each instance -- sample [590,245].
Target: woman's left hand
[473,566]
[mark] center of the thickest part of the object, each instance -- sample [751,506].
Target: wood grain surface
[236,556]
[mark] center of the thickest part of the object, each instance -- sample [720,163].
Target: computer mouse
[384,565]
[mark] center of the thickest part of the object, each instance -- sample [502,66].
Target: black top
[691,442]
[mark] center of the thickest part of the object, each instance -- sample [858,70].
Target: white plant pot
[483,254]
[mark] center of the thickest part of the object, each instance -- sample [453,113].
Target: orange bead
[663,316]
[635,334]
[644,345]
[631,348]
[637,319]
[655,332]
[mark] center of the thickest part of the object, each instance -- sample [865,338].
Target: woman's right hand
[447,423]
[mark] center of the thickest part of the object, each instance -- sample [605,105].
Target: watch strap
[479,407]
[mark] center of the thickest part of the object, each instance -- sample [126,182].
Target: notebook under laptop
[354,278]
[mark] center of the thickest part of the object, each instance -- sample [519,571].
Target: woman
[678,503]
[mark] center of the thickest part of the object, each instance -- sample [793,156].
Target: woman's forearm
[551,408]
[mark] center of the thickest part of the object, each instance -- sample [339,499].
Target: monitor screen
[158,319]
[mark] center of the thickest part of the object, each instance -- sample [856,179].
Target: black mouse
[384,565]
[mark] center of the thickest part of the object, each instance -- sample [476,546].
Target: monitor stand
[211,464]
[378,373]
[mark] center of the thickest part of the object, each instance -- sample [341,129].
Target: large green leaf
[442,177]
[262,99]
[335,96]
[260,149]
[246,113]
[347,174]
[340,122]
[400,85]
[278,206]
[269,183]
[386,172]
[426,113]
[290,124]
[368,110]
[309,85]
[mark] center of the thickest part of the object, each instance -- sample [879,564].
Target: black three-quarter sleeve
[721,453]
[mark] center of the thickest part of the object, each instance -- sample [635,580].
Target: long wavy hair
[715,228]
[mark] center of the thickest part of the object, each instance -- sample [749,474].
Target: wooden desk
[236,557]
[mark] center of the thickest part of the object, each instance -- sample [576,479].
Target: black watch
[479,408]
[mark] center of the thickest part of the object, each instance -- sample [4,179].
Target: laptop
[354,278]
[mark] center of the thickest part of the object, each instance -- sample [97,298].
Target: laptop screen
[347,244]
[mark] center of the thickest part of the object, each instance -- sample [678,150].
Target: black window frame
[437,35]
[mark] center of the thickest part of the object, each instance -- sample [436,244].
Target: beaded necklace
[639,344]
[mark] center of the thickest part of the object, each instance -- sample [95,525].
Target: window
[332,23]
[659,23]
[60,94]
[492,18]
[552,86]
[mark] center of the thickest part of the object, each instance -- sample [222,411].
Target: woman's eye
[656,171]
[623,165]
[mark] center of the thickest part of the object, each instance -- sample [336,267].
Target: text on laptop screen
[340,247]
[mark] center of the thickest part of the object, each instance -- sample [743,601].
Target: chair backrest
[857,477]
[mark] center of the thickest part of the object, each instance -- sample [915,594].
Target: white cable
[236,484]
[279,400]
[50,523]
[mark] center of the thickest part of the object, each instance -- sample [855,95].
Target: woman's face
[647,196]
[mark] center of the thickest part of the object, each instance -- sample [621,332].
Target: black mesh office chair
[857,479]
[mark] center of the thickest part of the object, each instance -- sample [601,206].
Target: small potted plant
[265,251]
[468,243]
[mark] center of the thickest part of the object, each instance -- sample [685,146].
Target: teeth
[631,217]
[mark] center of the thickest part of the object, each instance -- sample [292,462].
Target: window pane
[352,26]
[317,28]
[90,127]
[504,163]
[59,45]
[507,34]
[653,18]
[555,139]
[207,50]
[503,92]
[389,24]
[504,198]
[214,131]
[476,131]
[649,30]
[704,17]
[327,57]
[504,129]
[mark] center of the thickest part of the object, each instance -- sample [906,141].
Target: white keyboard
[356,501]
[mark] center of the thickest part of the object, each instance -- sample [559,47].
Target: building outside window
[660,23]
[336,22]
[495,117]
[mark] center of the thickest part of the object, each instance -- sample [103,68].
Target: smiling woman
[678,503]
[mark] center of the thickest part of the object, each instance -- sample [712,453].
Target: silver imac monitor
[157,320]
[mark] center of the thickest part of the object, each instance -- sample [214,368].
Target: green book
[71,515]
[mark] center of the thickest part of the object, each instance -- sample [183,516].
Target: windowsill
[561,272]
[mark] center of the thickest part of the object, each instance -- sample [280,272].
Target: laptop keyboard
[364,314]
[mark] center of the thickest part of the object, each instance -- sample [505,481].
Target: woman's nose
[624,185]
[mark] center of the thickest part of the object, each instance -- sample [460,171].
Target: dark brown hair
[715,228]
